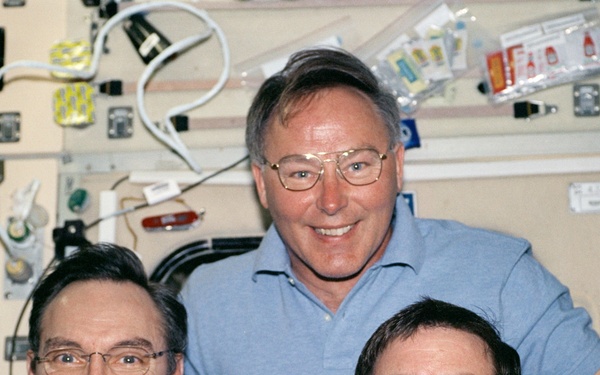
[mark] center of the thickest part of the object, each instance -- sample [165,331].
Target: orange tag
[496,71]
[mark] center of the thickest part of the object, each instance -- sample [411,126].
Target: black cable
[119,181]
[131,209]
[187,188]
[22,313]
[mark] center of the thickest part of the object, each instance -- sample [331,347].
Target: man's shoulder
[448,238]
[226,271]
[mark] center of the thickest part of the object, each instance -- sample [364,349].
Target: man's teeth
[334,232]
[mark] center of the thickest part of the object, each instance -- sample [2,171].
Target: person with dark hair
[344,252]
[96,312]
[438,337]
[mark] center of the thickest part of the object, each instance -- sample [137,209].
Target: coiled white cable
[171,138]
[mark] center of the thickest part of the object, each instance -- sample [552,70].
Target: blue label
[406,71]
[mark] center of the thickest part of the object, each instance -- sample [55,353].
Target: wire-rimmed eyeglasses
[128,360]
[301,172]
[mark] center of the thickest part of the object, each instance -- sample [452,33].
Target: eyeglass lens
[120,360]
[358,167]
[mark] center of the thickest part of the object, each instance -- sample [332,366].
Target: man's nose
[97,365]
[332,195]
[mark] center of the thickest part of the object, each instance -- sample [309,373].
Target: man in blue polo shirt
[344,252]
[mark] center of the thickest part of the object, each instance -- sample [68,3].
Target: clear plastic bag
[256,70]
[553,51]
[423,50]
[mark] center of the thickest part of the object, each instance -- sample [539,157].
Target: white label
[584,197]
[519,36]
[161,191]
[563,23]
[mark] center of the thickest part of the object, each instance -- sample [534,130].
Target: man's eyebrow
[60,342]
[136,341]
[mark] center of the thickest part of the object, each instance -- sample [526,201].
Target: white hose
[171,138]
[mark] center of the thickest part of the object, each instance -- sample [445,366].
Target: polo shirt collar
[406,246]
[272,257]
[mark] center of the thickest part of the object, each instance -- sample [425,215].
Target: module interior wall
[255,31]
[534,207]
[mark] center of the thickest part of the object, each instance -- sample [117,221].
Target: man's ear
[259,180]
[31,364]
[179,368]
[399,156]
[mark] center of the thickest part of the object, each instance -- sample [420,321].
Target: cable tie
[533,109]
[112,88]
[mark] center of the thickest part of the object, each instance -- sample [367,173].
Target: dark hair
[307,72]
[108,262]
[430,313]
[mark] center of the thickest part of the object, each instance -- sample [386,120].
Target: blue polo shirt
[249,315]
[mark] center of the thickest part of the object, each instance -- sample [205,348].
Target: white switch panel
[584,197]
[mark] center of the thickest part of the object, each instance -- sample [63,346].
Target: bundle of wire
[169,137]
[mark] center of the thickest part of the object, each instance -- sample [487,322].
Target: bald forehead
[436,351]
[102,313]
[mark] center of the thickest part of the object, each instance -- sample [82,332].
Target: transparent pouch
[423,50]
[256,70]
[546,53]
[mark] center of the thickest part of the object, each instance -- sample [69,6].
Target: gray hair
[306,73]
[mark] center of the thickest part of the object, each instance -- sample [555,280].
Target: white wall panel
[476,164]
